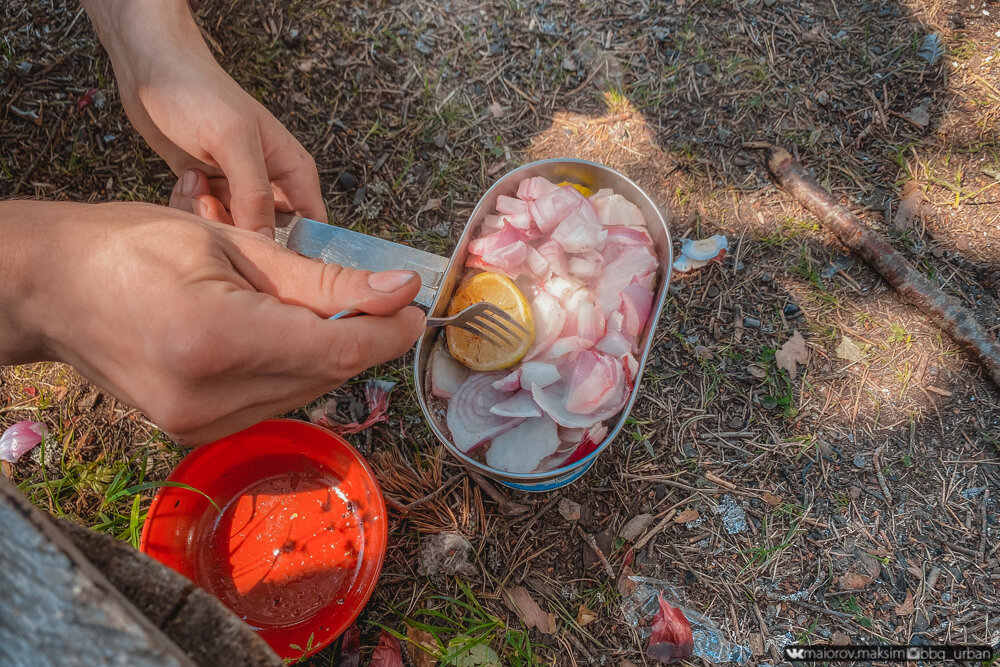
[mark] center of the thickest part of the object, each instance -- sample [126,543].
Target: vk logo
[795,653]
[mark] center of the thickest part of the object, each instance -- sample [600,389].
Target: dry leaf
[771,499]
[635,527]
[756,371]
[585,616]
[519,601]
[849,350]
[854,581]
[431,205]
[350,647]
[420,638]
[840,639]
[792,352]
[387,653]
[498,110]
[915,570]
[909,204]
[690,514]
[906,608]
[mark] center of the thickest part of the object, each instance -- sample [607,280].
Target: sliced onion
[589,322]
[519,405]
[615,344]
[601,194]
[634,261]
[615,210]
[704,249]
[538,372]
[555,256]
[549,318]
[567,345]
[584,268]
[615,321]
[595,380]
[550,210]
[570,437]
[513,205]
[521,449]
[562,287]
[580,231]
[537,263]
[510,382]
[636,302]
[447,374]
[550,400]
[534,188]
[469,418]
[493,223]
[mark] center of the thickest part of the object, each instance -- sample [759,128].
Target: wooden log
[945,311]
[57,609]
[197,622]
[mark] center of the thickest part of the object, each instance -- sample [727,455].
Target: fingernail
[267,231]
[189,181]
[390,281]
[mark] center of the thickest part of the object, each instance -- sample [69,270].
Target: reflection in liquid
[276,555]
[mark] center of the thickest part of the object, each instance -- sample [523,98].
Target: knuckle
[350,356]
[330,276]
[192,353]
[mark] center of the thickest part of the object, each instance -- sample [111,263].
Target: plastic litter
[642,603]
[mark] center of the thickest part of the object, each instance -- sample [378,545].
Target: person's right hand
[206,328]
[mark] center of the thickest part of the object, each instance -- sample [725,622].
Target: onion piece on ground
[447,374]
[522,448]
[469,418]
[703,250]
[519,405]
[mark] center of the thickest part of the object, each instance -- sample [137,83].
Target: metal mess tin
[440,276]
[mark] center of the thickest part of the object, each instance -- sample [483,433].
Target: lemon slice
[584,190]
[475,352]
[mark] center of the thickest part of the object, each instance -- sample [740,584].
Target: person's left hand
[196,117]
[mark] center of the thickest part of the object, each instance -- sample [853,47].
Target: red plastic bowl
[299,544]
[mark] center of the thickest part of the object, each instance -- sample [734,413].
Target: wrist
[25,234]
[138,33]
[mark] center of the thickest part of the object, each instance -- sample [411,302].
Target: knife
[336,245]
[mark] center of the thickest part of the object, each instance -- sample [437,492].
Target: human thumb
[324,288]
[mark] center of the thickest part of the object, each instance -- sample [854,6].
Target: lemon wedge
[475,352]
[584,190]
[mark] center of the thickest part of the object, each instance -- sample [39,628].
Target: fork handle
[350,312]
[438,321]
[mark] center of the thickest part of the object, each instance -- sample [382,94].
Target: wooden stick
[945,311]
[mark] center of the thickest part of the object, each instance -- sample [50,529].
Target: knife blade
[336,245]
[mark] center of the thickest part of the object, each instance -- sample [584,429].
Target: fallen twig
[945,311]
[507,506]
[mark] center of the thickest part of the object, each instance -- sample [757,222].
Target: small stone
[957,20]
[791,310]
[568,64]
[660,491]
[751,323]
[823,97]
[347,181]
[735,423]
[859,461]
[359,196]
[702,69]
[569,509]
[766,278]
[702,352]
[293,38]
[447,554]
[713,292]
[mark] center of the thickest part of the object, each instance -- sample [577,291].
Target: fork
[483,319]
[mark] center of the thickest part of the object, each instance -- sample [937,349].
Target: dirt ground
[856,500]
